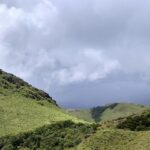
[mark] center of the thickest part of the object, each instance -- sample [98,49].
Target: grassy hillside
[10,85]
[108,112]
[122,110]
[114,139]
[24,108]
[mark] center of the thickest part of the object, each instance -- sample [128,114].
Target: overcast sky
[82,52]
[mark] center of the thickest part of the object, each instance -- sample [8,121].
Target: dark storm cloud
[83,53]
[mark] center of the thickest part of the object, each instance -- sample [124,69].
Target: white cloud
[31,37]
[26,37]
[89,65]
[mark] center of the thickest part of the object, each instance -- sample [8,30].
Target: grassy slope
[114,139]
[122,110]
[108,112]
[23,107]
[19,114]
[136,134]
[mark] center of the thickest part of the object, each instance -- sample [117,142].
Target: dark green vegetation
[97,112]
[24,108]
[136,122]
[57,136]
[108,112]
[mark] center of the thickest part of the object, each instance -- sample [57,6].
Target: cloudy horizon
[83,53]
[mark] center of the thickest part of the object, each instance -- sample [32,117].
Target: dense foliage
[136,123]
[51,137]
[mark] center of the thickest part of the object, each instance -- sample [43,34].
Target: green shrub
[136,123]
[61,135]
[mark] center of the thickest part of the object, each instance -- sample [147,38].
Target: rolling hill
[24,108]
[108,112]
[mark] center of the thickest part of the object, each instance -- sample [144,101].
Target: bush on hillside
[136,123]
[58,136]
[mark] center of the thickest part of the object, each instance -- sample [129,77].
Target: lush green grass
[113,139]
[109,112]
[19,114]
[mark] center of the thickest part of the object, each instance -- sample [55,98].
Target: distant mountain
[108,112]
[24,107]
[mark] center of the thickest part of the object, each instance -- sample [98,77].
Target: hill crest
[12,83]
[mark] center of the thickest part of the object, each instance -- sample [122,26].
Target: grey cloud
[89,51]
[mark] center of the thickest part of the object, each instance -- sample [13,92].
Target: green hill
[108,112]
[24,108]
[130,133]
